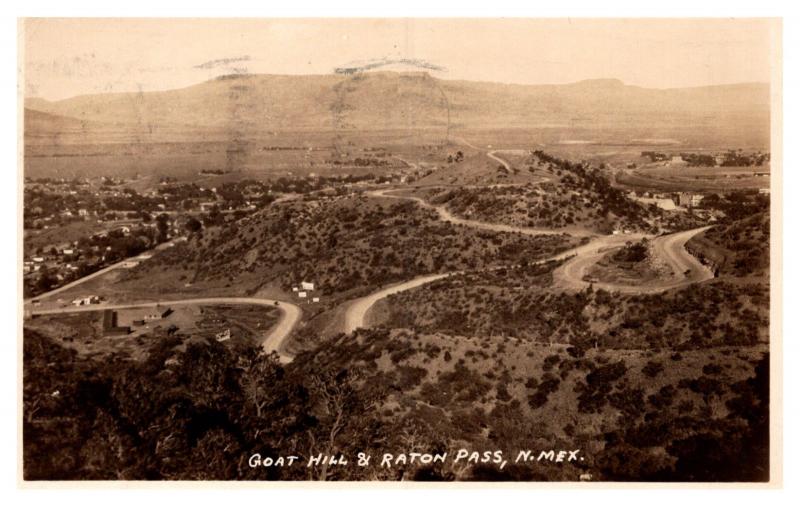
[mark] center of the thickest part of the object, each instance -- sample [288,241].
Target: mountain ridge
[389,100]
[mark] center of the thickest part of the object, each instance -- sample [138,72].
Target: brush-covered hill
[388,100]
[739,248]
[199,410]
[567,196]
[349,245]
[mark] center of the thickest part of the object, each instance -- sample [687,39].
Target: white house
[305,285]
[302,295]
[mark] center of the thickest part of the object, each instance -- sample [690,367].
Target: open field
[267,158]
[182,153]
[68,233]
[677,179]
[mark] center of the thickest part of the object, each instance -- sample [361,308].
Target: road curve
[491,154]
[274,341]
[672,248]
[446,215]
[569,275]
[686,269]
[356,312]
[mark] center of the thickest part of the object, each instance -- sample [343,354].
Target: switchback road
[446,215]
[686,269]
[670,248]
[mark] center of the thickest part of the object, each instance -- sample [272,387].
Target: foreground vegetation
[200,410]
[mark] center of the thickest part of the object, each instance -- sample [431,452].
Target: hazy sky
[64,58]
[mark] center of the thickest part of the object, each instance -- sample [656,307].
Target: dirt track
[686,269]
[446,215]
[356,313]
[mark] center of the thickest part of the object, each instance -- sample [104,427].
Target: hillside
[196,410]
[38,121]
[252,104]
[570,196]
[524,305]
[740,248]
[351,244]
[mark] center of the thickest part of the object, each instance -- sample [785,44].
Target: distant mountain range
[251,105]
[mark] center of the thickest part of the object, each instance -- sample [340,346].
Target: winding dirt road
[491,154]
[356,313]
[686,269]
[446,215]
[670,248]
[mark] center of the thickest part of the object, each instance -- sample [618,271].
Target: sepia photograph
[400,249]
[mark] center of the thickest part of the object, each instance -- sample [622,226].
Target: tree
[46,280]
[193,225]
[339,405]
[162,225]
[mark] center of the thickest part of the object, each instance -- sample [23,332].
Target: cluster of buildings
[688,199]
[61,260]
[305,291]
[86,301]
[111,327]
[669,201]
[68,260]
